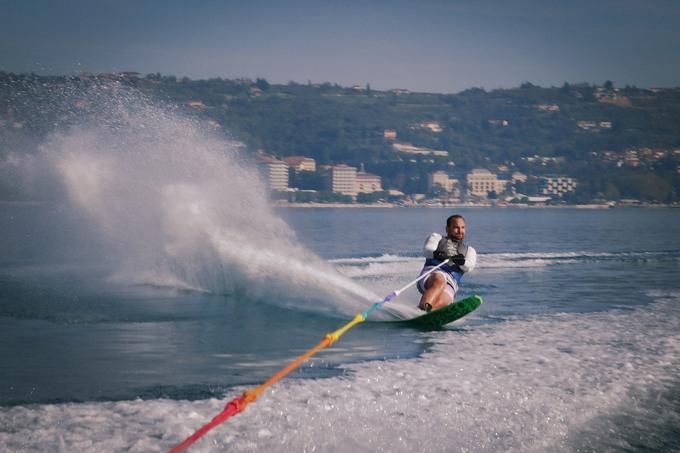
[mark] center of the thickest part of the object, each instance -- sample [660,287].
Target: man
[439,288]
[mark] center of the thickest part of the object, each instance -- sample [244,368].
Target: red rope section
[239,404]
[233,407]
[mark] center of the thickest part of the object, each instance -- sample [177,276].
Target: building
[301,163]
[130,74]
[343,179]
[557,185]
[390,134]
[519,177]
[196,104]
[433,126]
[548,107]
[410,149]
[442,179]
[587,125]
[481,181]
[367,183]
[274,172]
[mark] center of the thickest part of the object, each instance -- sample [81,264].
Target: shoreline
[278,204]
[465,205]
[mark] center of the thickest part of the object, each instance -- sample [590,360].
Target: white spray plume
[181,208]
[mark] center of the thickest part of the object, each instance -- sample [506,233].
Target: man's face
[456,230]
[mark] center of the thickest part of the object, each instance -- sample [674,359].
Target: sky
[442,46]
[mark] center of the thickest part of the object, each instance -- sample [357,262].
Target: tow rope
[240,403]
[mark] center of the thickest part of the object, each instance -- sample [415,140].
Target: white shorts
[451,287]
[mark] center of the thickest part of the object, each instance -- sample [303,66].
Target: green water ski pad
[438,318]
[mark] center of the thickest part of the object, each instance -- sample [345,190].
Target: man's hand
[458,259]
[440,256]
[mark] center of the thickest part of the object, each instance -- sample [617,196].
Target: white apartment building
[481,181]
[274,171]
[343,179]
[557,185]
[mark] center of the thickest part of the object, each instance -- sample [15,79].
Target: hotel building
[481,181]
[274,172]
[343,179]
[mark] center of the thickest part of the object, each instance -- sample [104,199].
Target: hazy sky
[422,45]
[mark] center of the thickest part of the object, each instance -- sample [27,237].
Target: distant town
[349,184]
[297,179]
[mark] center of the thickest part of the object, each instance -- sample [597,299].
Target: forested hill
[618,142]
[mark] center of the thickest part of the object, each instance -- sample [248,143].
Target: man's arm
[431,244]
[470,260]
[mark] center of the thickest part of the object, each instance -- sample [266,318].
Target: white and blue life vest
[451,247]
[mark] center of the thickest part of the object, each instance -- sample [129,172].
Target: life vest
[450,247]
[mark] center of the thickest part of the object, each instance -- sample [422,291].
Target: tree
[530,187]
[438,191]
[372,197]
[262,84]
[333,197]
[612,192]
[307,180]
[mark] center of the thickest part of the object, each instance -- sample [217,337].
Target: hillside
[619,143]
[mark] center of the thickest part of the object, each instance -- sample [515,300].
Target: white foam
[528,384]
[367,267]
[382,268]
[386,258]
[177,206]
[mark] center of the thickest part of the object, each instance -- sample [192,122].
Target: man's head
[455,227]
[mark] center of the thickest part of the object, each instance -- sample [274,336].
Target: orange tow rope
[239,403]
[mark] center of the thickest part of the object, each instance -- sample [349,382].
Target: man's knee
[435,280]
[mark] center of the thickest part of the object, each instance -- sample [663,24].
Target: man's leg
[434,294]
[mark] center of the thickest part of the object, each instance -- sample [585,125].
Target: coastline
[279,204]
[467,205]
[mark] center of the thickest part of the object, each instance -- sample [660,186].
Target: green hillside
[619,143]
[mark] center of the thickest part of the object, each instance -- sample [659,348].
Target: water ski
[438,318]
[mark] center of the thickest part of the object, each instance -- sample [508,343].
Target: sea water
[577,346]
[145,293]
